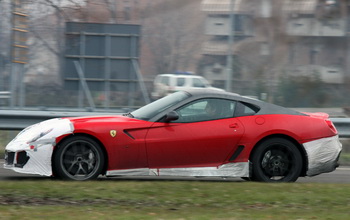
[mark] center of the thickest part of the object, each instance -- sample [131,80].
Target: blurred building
[319,41]
[273,38]
[218,28]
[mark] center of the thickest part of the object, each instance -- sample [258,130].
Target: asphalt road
[341,175]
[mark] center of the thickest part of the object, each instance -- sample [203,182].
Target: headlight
[32,133]
[43,133]
[40,135]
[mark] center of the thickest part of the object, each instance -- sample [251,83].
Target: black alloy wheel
[276,160]
[78,158]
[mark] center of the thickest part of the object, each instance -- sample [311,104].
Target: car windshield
[149,111]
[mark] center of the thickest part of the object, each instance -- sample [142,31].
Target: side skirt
[225,170]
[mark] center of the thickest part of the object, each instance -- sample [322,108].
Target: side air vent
[127,133]
[237,152]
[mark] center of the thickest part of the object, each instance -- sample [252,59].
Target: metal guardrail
[343,126]
[18,120]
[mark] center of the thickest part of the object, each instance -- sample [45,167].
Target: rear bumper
[323,155]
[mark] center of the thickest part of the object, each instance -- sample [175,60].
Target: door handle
[234,125]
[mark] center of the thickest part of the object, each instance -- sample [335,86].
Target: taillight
[331,126]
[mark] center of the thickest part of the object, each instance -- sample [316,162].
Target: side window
[205,110]
[165,80]
[246,109]
[180,81]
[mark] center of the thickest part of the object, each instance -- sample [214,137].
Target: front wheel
[276,160]
[78,158]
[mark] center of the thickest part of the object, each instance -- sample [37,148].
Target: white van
[165,84]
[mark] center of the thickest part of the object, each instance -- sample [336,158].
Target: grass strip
[105,199]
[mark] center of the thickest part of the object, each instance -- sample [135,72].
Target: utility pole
[229,60]
[2,62]
[19,51]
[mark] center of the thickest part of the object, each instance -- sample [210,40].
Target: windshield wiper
[128,115]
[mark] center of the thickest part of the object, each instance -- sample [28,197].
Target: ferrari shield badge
[113,133]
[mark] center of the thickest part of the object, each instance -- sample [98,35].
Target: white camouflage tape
[226,170]
[38,142]
[322,155]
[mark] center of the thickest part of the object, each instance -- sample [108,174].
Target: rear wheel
[276,160]
[78,158]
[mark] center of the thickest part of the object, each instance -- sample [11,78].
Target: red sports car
[188,133]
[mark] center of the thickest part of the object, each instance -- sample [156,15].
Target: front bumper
[30,161]
[16,159]
[25,154]
[323,155]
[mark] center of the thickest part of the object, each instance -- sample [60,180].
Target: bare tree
[174,35]
[46,30]
[5,42]
[112,8]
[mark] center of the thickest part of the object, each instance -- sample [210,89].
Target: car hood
[115,120]
[104,119]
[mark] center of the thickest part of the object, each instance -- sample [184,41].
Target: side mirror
[171,116]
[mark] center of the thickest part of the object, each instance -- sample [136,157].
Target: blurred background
[290,52]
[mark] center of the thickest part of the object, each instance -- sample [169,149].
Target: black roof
[265,107]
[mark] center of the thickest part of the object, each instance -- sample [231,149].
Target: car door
[197,138]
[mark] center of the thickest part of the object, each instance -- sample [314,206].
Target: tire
[276,160]
[78,158]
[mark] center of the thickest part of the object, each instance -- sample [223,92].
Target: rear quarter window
[246,109]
